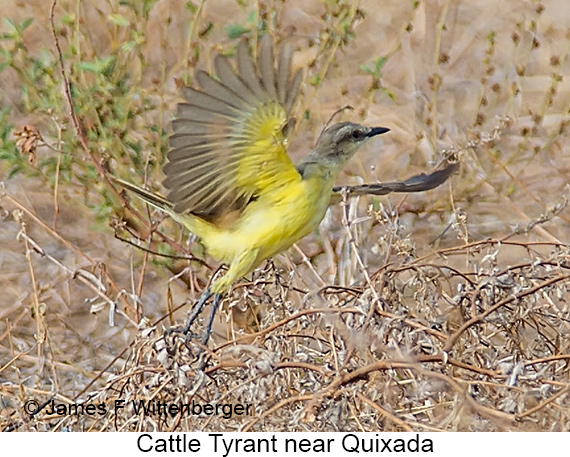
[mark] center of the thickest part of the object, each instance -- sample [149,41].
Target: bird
[229,177]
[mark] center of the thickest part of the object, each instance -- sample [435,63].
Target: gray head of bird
[338,143]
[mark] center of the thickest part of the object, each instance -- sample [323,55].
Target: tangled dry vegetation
[445,310]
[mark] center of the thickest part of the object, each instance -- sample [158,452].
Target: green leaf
[191,7]
[389,93]
[68,19]
[235,30]
[119,20]
[11,25]
[26,23]
[128,46]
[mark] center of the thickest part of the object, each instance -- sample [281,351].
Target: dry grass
[445,310]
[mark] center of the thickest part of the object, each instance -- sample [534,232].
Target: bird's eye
[356,135]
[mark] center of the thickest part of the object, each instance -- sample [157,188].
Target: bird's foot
[190,337]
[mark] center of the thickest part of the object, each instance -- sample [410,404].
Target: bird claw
[189,337]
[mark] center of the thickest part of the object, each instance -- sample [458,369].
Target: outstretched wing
[229,141]
[417,183]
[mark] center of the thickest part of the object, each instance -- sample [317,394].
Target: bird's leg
[242,264]
[197,309]
[215,304]
[203,355]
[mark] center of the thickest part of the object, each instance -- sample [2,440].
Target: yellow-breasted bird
[230,179]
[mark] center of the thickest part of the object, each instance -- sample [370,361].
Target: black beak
[377,131]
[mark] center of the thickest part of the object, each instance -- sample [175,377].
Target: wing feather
[217,90]
[197,98]
[283,73]
[227,77]
[190,159]
[267,67]
[179,141]
[293,87]
[200,174]
[229,135]
[247,71]
[203,115]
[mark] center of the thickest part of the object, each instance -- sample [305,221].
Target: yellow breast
[272,223]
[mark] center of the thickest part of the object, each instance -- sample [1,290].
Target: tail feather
[151,198]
